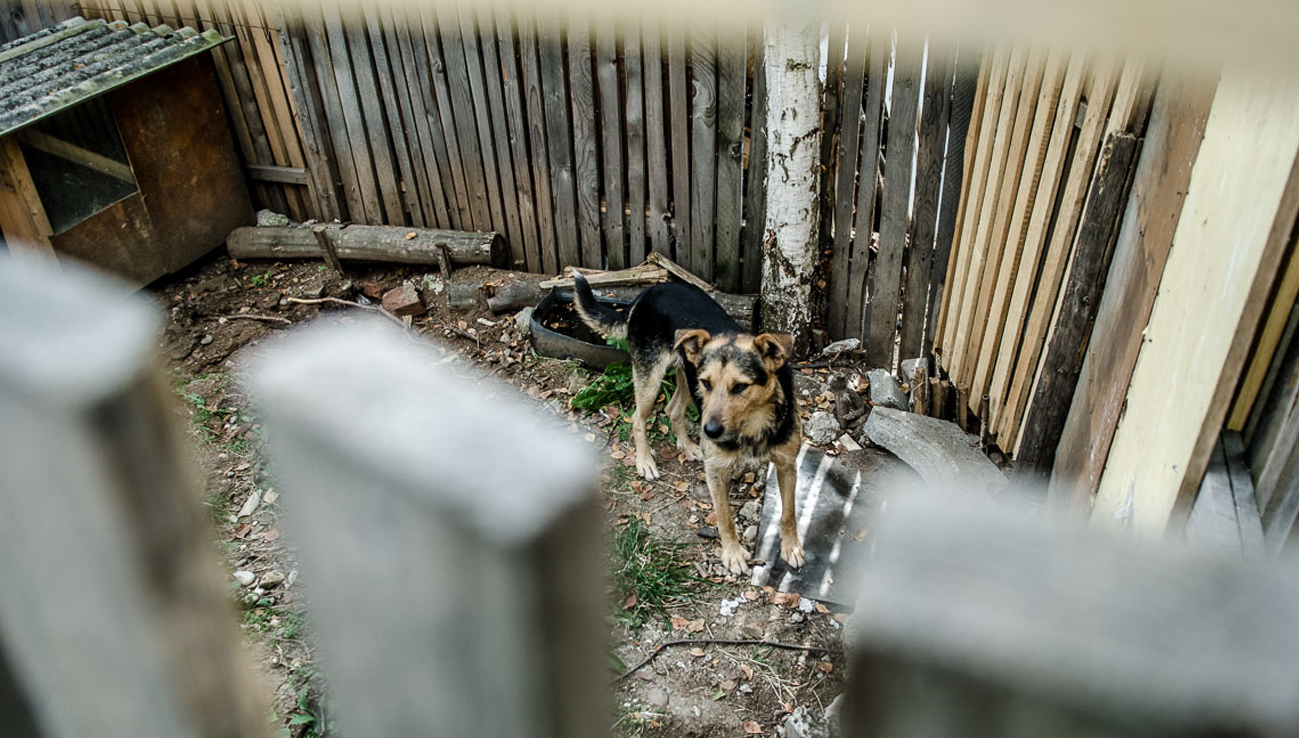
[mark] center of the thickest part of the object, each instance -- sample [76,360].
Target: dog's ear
[691,342]
[776,348]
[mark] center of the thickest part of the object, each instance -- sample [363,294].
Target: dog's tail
[600,317]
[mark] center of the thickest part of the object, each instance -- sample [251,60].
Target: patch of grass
[616,387]
[649,573]
[261,280]
[311,715]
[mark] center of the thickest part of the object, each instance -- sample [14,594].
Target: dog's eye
[708,386]
[738,387]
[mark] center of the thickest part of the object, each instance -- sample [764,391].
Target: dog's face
[737,378]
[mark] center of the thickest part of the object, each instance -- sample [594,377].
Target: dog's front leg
[734,557]
[791,550]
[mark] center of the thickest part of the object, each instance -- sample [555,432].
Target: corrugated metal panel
[59,67]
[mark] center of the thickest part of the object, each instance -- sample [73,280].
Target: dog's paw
[735,559]
[690,450]
[646,467]
[792,553]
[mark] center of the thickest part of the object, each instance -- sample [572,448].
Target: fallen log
[396,244]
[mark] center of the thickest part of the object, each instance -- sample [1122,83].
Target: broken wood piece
[526,292]
[76,154]
[644,274]
[326,244]
[396,244]
[940,452]
[919,392]
[462,296]
[678,271]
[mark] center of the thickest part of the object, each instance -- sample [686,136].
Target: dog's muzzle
[714,430]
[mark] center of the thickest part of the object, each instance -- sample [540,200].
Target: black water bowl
[558,332]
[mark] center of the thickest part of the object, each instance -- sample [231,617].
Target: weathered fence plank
[854,85]
[586,156]
[752,236]
[611,164]
[656,142]
[534,98]
[703,151]
[731,77]
[679,118]
[465,76]
[493,80]
[493,623]
[867,186]
[886,275]
[515,90]
[559,144]
[424,45]
[635,143]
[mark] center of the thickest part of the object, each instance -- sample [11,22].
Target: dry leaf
[629,602]
[410,235]
[242,531]
[752,728]
[728,685]
[751,595]
[694,626]
[270,497]
[270,536]
[619,455]
[748,671]
[679,623]
[822,608]
[681,486]
[711,518]
[825,666]
[696,652]
[590,438]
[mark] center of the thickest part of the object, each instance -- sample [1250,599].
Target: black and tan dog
[740,382]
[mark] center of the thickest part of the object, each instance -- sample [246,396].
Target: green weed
[649,573]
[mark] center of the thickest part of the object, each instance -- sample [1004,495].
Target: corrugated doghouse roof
[59,67]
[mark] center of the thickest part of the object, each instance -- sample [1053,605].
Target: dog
[741,383]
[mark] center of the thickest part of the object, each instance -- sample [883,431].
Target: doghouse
[115,148]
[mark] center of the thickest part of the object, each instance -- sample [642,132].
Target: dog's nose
[713,430]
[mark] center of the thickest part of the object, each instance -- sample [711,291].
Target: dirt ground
[220,307]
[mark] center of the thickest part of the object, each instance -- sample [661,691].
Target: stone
[751,510]
[841,347]
[313,291]
[245,577]
[272,579]
[821,428]
[806,386]
[806,723]
[403,300]
[938,450]
[751,534]
[909,369]
[657,698]
[272,219]
[207,339]
[885,391]
[523,322]
[371,290]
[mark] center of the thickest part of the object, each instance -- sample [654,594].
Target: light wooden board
[22,217]
[1172,141]
[1100,93]
[1238,215]
[987,310]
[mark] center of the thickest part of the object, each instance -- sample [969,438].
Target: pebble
[657,697]
[523,321]
[750,534]
[796,617]
[207,338]
[272,579]
[291,578]
[751,510]
[821,428]
[751,631]
[245,577]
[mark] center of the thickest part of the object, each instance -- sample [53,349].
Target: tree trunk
[793,186]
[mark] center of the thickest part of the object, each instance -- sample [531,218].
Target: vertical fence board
[559,143]
[656,142]
[854,85]
[314,27]
[886,276]
[635,143]
[606,64]
[586,155]
[408,140]
[449,48]
[867,186]
[320,162]
[924,222]
[534,99]
[353,113]
[401,190]
[731,76]
[514,91]
[460,49]
[834,115]
[752,236]
[429,150]
[425,46]
[493,81]
[703,151]
[679,116]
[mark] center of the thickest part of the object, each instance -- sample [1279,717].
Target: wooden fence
[1050,154]
[483,605]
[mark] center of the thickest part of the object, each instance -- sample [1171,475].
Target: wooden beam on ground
[1238,217]
[1172,143]
[1064,354]
[369,243]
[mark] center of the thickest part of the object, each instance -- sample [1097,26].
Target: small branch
[464,334]
[717,641]
[348,303]
[267,318]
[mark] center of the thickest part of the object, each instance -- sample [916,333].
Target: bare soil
[221,308]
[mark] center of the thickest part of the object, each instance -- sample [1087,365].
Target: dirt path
[667,583]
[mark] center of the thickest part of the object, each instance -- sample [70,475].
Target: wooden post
[482,606]
[115,620]
[331,254]
[986,620]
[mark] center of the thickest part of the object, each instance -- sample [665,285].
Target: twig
[716,641]
[464,334]
[251,316]
[348,303]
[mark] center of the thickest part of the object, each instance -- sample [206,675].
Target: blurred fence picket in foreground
[452,549]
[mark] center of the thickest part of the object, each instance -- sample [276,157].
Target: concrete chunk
[885,391]
[939,451]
